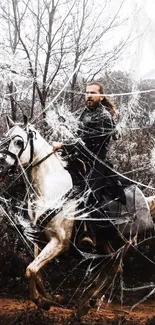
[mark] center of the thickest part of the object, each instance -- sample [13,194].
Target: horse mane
[31,127]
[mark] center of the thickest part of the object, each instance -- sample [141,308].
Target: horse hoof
[48,301]
[74,318]
[83,310]
[59,299]
[55,299]
[93,302]
[44,303]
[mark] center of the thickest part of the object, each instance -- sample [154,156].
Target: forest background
[49,50]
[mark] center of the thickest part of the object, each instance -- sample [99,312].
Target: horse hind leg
[99,283]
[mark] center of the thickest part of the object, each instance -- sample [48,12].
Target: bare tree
[13,42]
[57,41]
[88,56]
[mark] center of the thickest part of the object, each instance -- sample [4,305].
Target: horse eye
[19,143]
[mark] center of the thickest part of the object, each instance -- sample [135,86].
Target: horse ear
[9,122]
[25,118]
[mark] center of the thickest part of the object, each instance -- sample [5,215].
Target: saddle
[136,206]
[110,203]
[128,219]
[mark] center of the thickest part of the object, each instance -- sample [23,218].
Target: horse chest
[52,184]
[61,225]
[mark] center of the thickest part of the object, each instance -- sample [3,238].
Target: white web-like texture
[104,269]
[116,256]
[112,273]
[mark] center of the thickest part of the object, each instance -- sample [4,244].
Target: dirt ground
[24,312]
[17,309]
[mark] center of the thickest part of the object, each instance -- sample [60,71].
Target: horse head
[9,149]
[19,143]
[43,168]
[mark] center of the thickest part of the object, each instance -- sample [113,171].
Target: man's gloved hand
[56,145]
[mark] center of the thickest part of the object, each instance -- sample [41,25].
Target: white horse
[49,186]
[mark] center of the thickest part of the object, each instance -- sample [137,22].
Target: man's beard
[91,104]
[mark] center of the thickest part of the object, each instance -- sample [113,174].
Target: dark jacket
[96,127]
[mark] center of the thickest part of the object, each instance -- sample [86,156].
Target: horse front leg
[38,278]
[51,250]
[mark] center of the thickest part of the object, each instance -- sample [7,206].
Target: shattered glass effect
[117,274]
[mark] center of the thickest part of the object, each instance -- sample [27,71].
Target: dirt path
[24,312]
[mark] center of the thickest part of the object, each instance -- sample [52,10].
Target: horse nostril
[10,172]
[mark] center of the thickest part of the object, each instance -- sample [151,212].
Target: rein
[43,159]
[30,136]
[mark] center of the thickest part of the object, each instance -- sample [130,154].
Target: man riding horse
[87,160]
[49,186]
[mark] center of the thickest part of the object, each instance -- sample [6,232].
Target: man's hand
[56,145]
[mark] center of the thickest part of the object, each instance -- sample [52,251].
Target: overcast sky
[140,60]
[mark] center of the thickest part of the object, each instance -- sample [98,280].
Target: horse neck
[51,160]
[44,172]
[48,185]
[47,179]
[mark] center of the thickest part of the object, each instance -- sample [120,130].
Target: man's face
[93,96]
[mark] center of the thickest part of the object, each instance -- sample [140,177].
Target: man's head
[94,94]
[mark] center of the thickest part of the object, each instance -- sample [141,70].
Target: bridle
[30,139]
[31,134]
